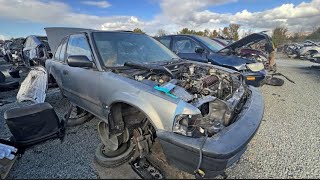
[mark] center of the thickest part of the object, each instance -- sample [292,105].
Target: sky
[20,18]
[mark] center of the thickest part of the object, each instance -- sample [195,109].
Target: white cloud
[175,15]
[4,37]
[101,4]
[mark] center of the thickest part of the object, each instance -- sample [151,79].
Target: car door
[166,41]
[185,47]
[81,84]
[58,64]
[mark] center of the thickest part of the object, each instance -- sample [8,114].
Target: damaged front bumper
[255,78]
[219,151]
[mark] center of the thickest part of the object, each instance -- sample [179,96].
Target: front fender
[159,111]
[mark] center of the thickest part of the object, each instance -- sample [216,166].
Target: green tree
[234,31]
[225,32]
[161,32]
[184,31]
[315,35]
[138,30]
[214,34]
[279,36]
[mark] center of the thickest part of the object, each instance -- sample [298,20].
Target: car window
[184,45]
[63,50]
[57,54]
[32,43]
[78,45]
[211,44]
[117,48]
[27,43]
[165,41]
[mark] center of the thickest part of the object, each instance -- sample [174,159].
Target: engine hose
[198,172]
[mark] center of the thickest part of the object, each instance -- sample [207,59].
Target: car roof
[190,35]
[56,34]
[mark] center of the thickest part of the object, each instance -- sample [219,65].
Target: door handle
[64,72]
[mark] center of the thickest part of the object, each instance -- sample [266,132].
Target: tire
[80,119]
[274,81]
[8,86]
[116,159]
[2,77]
[14,73]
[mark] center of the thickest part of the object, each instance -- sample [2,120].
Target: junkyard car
[142,91]
[203,49]
[13,51]
[308,50]
[36,50]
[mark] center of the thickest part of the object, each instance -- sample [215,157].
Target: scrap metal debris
[8,156]
[34,87]
[145,169]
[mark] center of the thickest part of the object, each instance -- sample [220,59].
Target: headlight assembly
[184,125]
[255,67]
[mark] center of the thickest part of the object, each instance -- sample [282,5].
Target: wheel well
[131,116]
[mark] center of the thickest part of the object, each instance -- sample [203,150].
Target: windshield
[116,48]
[211,44]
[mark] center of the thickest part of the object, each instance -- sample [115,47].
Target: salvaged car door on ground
[81,83]
[185,48]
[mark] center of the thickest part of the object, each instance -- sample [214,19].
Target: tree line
[280,36]
[229,32]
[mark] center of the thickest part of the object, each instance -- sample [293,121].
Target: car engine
[218,94]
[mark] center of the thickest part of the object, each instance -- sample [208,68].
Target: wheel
[78,116]
[2,77]
[109,159]
[14,73]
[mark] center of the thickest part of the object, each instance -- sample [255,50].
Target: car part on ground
[4,102]
[33,124]
[34,86]
[78,116]
[8,156]
[14,72]
[7,85]
[154,92]
[109,158]
[273,81]
[146,169]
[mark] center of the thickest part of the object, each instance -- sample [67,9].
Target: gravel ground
[287,145]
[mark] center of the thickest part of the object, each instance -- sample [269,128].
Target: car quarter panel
[158,107]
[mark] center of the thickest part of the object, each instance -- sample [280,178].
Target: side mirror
[199,50]
[79,61]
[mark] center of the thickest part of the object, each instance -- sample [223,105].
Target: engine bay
[218,94]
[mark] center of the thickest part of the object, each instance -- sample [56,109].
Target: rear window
[166,41]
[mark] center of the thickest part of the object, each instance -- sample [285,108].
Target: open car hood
[56,34]
[251,39]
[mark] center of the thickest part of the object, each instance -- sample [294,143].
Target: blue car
[204,49]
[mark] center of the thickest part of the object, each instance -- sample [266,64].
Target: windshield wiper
[149,67]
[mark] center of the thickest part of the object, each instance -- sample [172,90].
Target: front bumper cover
[221,150]
[259,78]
